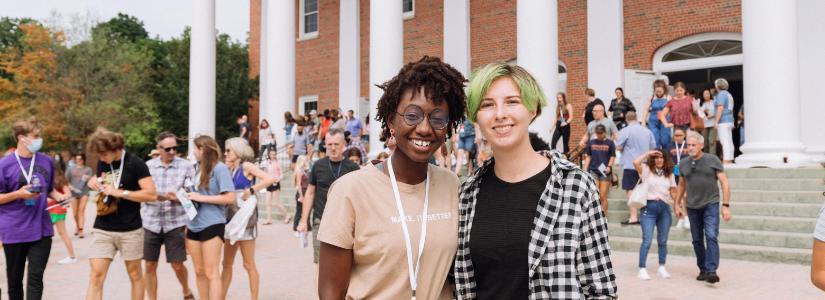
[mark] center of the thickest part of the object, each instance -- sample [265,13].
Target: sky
[164,18]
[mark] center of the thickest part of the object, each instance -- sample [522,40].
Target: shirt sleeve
[312,178]
[645,172]
[224,179]
[613,128]
[630,106]
[587,147]
[716,164]
[596,277]
[622,138]
[338,224]
[612,148]
[140,168]
[672,180]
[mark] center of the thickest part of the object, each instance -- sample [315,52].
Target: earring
[392,132]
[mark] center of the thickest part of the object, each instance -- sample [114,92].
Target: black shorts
[629,179]
[273,187]
[172,240]
[295,158]
[206,234]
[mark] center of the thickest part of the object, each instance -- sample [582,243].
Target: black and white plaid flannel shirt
[569,255]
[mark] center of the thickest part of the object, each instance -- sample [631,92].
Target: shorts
[173,241]
[629,179]
[107,243]
[82,193]
[597,176]
[213,231]
[295,158]
[466,142]
[273,187]
[57,217]
[316,244]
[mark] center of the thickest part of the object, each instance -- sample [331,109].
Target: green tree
[123,28]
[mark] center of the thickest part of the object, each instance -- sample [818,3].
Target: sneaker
[663,272]
[702,276]
[643,274]
[712,278]
[686,225]
[628,222]
[67,260]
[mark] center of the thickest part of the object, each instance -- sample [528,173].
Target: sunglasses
[414,115]
[170,149]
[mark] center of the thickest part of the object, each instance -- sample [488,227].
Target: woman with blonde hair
[301,183]
[204,234]
[237,156]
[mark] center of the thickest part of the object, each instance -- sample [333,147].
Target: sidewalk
[287,272]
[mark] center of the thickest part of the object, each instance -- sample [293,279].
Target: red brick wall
[573,52]
[492,31]
[648,25]
[316,60]
[424,33]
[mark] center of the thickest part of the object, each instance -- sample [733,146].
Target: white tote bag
[638,198]
[236,227]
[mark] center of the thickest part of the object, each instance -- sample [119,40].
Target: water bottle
[35,188]
[303,236]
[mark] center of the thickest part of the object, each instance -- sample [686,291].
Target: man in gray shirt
[700,173]
[599,119]
[634,140]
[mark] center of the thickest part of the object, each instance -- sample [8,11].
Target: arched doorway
[697,60]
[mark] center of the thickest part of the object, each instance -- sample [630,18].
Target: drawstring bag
[638,197]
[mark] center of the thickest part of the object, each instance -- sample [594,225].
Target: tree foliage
[119,78]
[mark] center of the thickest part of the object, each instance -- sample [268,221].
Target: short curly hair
[441,82]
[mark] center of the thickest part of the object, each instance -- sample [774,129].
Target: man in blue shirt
[634,140]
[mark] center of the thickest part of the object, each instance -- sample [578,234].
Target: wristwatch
[125,194]
[726,205]
[251,191]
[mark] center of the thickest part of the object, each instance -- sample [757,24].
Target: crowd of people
[435,130]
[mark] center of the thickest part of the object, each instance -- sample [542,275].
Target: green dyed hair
[532,95]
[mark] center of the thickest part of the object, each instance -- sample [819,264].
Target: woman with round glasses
[389,229]
[530,223]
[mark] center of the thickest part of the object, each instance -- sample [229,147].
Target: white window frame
[409,14]
[303,100]
[302,34]
[661,66]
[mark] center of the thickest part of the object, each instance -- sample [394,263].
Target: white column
[280,64]
[349,56]
[771,80]
[202,71]
[386,57]
[457,35]
[605,47]
[538,52]
[811,47]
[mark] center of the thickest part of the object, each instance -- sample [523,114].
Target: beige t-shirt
[361,215]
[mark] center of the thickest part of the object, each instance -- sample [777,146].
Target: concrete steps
[774,215]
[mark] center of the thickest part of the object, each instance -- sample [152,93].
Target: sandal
[80,233]
[189,297]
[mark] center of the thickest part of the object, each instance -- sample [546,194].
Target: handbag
[638,197]
[105,208]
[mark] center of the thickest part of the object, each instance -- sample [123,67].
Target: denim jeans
[655,214]
[35,256]
[704,228]
[660,133]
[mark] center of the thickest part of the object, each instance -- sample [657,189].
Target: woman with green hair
[530,223]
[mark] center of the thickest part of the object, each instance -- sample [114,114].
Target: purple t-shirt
[20,223]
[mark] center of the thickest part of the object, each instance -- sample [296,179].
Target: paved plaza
[287,272]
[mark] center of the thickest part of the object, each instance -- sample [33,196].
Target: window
[308,19]
[408,8]
[704,49]
[307,103]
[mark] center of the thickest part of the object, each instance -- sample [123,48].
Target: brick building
[601,44]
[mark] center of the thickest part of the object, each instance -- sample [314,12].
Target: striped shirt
[164,216]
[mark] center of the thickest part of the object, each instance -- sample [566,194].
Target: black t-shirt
[588,110]
[324,172]
[127,216]
[500,237]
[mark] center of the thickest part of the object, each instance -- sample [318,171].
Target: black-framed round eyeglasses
[414,115]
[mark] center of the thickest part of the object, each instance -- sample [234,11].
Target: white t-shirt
[266,136]
[658,187]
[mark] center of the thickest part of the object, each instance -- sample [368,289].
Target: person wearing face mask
[124,181]
[25,225]
[657,173]
[531,225]
[367,251]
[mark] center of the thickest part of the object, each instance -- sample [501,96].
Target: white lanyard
[679,152]
[28,176]
[120,173]
[402,216]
